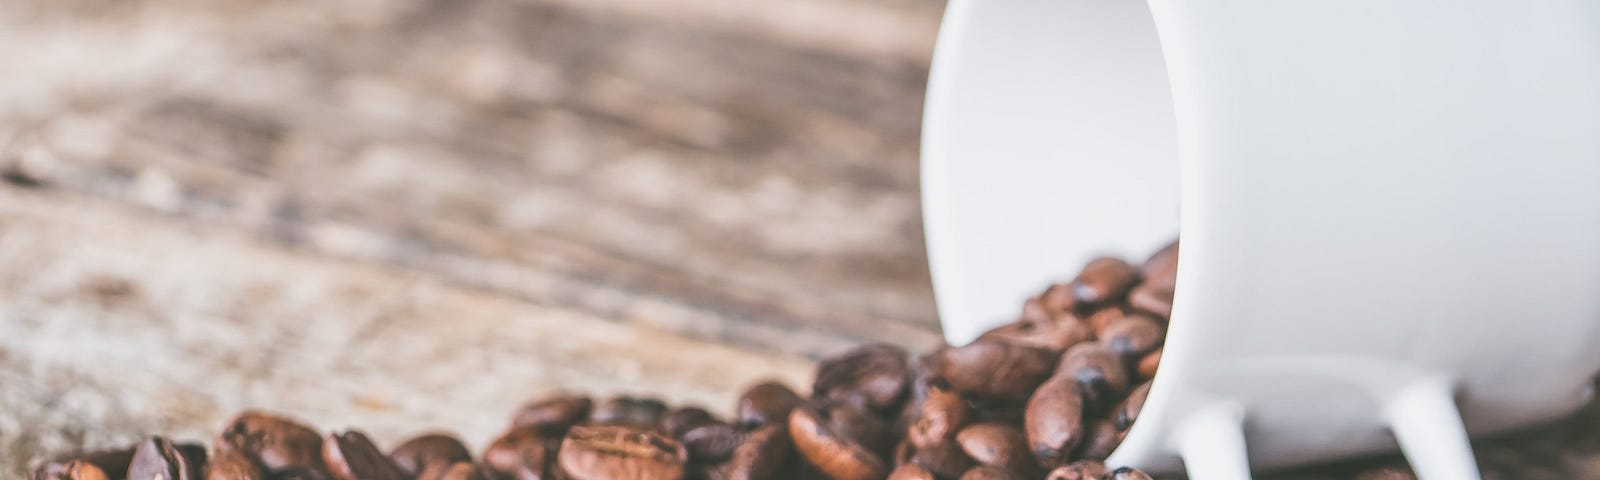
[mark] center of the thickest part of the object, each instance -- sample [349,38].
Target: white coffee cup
[1390,209]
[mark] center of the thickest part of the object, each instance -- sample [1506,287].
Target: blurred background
[406,215]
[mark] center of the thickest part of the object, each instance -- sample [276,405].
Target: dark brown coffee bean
[944,460]
[1127,473]
[910,471]
[1100,370]
[1055,335]
[1007,411]
[1080,470]
[455,471]
[628,410]
[620,452]
[1100,438]
[157,458]
[764,453]
[523,453]
[277,442]
[991,368]
[233,465]
[555,413]
[298,473]
[711,442]
[990,472]
[426,450]
[112,463]
[1103,280]
[1128,411]
[998,444]
[943,412]
[873,376]
[1161,269]
[679,421]
[1058,299]
[834,453]
[1148,364]
[1152,300]
[70,470]
[1133,335]
[766,403]
[353,456]
[1054,420]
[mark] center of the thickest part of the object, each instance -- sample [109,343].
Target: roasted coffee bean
[157,458]
[1103,280]
[873,376]
[764,453]
[834,453]
[70,470]
[233,465]
[765,403]
[628,410]
[1007,411]
[353,456]
[995,369]
[620,452]
[1133,335]
[1080,470]
[1056,334]
[1054,420]
[426,450]
[861,426]
[1100,370]
[523,453]
[997,444]
[943,412]
[1101,436]
[455,471]
[990,472]
[1104,317]
[676,422]
[277,442]
[1128,411]
[1058,299]
[711,442]
[1148,363]
[1161,269]
[555,413]
[1152,300]
[944,460]
[112,463]
[1127,473]
[910,471]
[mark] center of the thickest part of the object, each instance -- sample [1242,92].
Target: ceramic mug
[1390,209]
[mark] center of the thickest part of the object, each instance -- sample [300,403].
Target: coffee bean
[676,422]
[1057,300]
[944,460]
[522,453]
[298,473]
[419,453]
[1128,411]
[233,465]
[1133,335]
[1153,300]
[765,403]
[277,442]
[353,456]
[864,428]
[990,472]
[70,470]
[1103,280]
[632,411]
[943,412]
[873,376]
[764,453]
[997,444]
[1007,411]
[555,413]
[991,368]
[1101,436]
[1127,473]
[1055,334]
[910,471]
[112,463]
[1054,420]
[1148,363]
[1080,470]
[455,471]
[1099,370]
[157,458]
[834,453]
[711,442]
[620,452]
[1161,269]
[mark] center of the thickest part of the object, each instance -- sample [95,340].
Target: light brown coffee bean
[1057,299]
[620,452]
[1161,269]
[1101,436]
[1103,280]
[1128,411]
[276,442]
[833,453]
[763,454]
[1127,473]
[522,453]
[1054,420]
[995,369]
[298,473]
[353,456]
[942,413]
[1101,372]
[998,444]
[233,465]
[1151,299]
[1055,334]
[555,413]
[766,403]
[425,450]
[455,471]
[70,470]
[1133,335]
[990,472]
[157,458]
[1080,470]
[873,376]
[112,463]
[629,410]
[910,471]
[1149,363]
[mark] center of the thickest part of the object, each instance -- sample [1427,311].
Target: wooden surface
[405,215]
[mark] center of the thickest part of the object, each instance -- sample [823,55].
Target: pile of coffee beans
[1047,396]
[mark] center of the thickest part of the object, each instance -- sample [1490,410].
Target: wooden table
[402,215]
